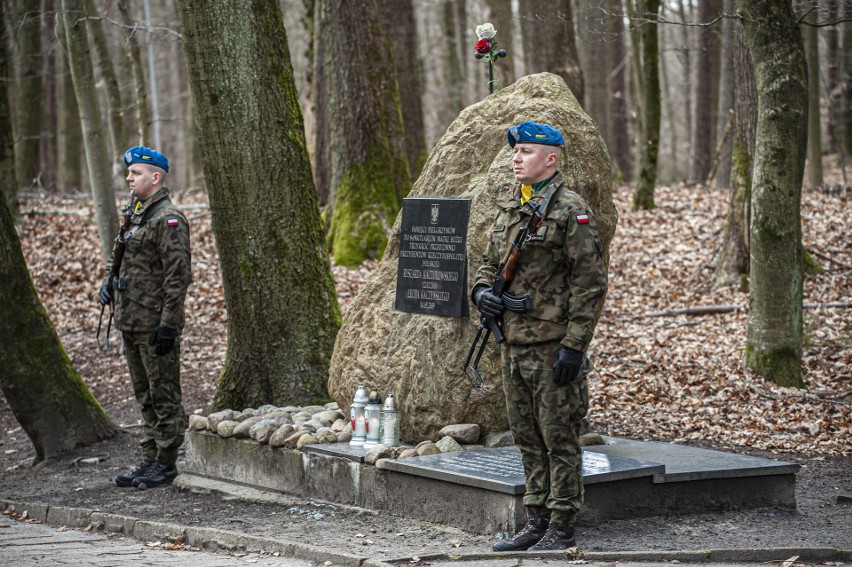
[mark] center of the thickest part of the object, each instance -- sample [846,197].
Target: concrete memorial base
[481,490]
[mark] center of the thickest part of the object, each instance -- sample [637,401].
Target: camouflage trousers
[156,385]
[545,422]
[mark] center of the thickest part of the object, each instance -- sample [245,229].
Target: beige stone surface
[417,357]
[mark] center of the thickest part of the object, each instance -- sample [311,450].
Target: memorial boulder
[418,357]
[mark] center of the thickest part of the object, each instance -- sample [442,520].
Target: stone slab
[684,463]
[501,470]
[344,450]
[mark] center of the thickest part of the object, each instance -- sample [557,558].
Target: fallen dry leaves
[668,378]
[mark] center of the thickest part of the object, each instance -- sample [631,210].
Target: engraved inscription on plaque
[432,270]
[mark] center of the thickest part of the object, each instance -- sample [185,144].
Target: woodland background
[683,381]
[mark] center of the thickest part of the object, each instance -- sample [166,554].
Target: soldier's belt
[517,303]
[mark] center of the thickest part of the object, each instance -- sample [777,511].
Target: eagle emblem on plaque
[434,218]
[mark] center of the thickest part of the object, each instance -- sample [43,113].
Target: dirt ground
[677,379]
[823,517]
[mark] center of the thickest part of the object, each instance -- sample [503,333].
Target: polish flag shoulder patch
[175,222]
[582,219]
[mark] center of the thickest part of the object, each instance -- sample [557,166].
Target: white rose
[486,31]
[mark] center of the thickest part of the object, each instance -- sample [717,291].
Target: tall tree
[41,386]
[774,344]
[29,109]
[809,36]
[597,55]
[726,93]
[283,314]
[94,135]
[8,179]
[618,101]
[501,17]
[68,128]
[701,140]
[733,256]
[644,196]
[143,116]
[49,131]
[115,105]
[399,15]
[844,97]
[369,164]
[549,43]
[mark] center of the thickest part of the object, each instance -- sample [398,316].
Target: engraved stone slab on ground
[501,470]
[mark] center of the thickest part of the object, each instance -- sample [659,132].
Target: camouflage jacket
[560,269]
[155,270]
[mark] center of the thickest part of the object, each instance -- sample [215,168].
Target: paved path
[25,544]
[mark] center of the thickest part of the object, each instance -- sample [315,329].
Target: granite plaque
[683,463]
[501,469]
[432,270]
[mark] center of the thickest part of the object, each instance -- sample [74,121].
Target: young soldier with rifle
[546,311]
[146,282]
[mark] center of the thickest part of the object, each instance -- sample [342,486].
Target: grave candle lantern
[371,419]
[356,412]
[390,422]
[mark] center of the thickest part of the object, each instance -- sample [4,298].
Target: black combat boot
[159,474]
[126,479]
[558,536]
[529,535]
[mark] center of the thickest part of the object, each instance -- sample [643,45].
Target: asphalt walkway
[23,543]
[122,541]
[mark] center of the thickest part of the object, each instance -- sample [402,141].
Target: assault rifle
[504,276]
[112,275]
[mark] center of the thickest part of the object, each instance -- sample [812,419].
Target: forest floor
[676,378]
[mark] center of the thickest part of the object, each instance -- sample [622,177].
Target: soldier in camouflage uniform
[149,294]
[544,367]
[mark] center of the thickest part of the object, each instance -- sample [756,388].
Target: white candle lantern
[372,414]
[356,412]
[390,422]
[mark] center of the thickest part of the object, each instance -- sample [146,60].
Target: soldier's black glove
[106,294]
[489,304]
[567,365]
[163,340]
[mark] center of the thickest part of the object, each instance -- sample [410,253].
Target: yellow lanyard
[526,193]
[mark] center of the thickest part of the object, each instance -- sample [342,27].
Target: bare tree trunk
[814,162]
[49,132]
[774,344]
[94,135]
[844,97]
[8,179]
[68,127]
[399,15]
[115,107]
[726,93]
[283,314]
[701,140]
[322,154]
[369,166]
[549,44]
[501,17]
[831,57]
[27,31]
[644,196]
[596,55]
[41,386]
[733,258]
[143,118]
[618,102]
[636,75]
[686,56]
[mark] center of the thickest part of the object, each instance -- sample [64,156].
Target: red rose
[483,46]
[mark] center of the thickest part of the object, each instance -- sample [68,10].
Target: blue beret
[141,154]
[534,133]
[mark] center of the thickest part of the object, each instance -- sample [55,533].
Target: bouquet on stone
[486,49]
